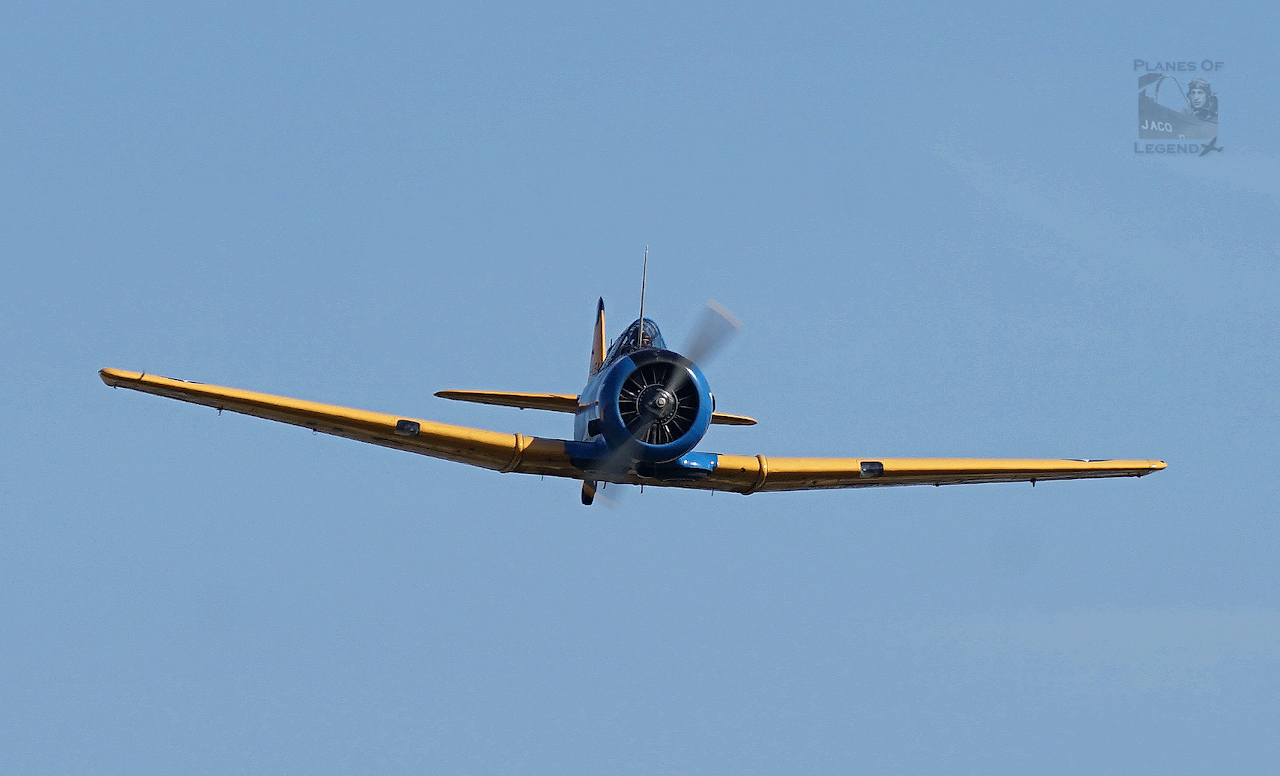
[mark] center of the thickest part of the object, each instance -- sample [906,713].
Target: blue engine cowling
[631,388]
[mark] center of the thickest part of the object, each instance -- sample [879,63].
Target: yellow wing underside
[533,455]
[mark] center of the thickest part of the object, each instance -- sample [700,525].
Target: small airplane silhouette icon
[1212,145]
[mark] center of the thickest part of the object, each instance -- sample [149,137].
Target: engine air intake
[657,396]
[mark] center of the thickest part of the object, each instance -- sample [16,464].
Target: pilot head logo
[1190,114]
[1201,100]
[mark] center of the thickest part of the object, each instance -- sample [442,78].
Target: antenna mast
[644,274]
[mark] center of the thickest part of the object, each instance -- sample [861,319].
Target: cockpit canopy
[637,337]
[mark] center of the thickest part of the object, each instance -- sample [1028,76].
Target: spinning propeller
[657,402]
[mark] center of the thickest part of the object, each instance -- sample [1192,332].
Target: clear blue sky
[930,218]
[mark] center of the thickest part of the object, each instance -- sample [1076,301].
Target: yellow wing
[489,449]
[533,455]
[745,474]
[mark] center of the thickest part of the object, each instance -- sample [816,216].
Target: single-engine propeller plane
[637,421]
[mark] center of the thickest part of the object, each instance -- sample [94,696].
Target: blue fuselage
[651,401]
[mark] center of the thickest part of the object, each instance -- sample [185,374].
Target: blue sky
[933,224]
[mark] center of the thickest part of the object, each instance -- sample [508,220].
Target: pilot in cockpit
[637,337]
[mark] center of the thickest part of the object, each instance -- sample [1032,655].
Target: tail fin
[598,343]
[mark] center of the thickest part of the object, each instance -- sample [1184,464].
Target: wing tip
[114,377]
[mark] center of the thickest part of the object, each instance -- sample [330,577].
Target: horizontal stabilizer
[558,402]
[555,402]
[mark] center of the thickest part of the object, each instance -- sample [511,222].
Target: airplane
[636,422]
[1212,145]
